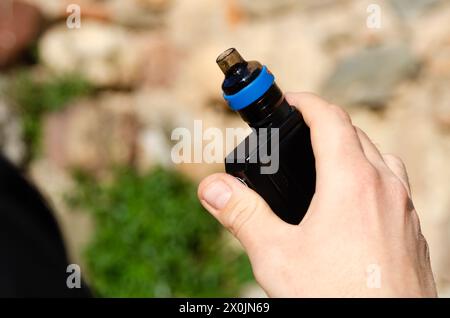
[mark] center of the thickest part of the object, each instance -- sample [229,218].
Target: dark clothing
[33,259]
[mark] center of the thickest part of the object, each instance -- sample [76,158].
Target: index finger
[333,137]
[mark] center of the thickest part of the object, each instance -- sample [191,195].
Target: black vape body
[289,189]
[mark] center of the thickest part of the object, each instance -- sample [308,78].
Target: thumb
[241,210]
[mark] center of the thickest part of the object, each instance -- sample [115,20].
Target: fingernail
[217,194]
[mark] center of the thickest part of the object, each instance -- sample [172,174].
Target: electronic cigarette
[250,89]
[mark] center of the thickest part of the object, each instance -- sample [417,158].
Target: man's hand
[361,235]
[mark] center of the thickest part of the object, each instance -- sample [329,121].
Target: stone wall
[152,63]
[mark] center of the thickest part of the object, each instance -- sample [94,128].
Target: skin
[361,236]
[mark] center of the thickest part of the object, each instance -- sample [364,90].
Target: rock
[266,7]
[431,41]
[439,66]
[298,62]
[196,90]
[269,9]
[92,134]
[413,8]
[89,9]
[342,29]
[139,13]
[11,142]
[55,184]
[50,9]
[104,54]
[20,24]
[370,76]
[109,55]
[134,13]
[153,5]
[159,113]
[153,149]
[117,129]
[440,102]
[158,60]
[162,108]
[187,21]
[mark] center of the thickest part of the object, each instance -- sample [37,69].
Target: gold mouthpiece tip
[229,58]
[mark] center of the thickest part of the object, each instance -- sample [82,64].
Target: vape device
[287,185]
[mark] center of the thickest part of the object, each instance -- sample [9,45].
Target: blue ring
[252,91]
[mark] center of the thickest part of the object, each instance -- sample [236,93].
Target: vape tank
[279,130]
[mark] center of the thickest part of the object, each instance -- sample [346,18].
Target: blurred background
[87,114]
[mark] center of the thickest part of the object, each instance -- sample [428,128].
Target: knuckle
[398,192]
[360,132]
[416,223]
[365,183]
[356,180]
[365,176]
[341,139]
[239,213]
[425,247]
[340,112]
[398,188]
[393,159]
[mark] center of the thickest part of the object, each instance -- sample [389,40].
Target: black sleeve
[33,260]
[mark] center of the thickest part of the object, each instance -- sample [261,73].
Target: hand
[361,235]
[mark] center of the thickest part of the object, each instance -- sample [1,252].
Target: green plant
[34,98]
[153,239]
